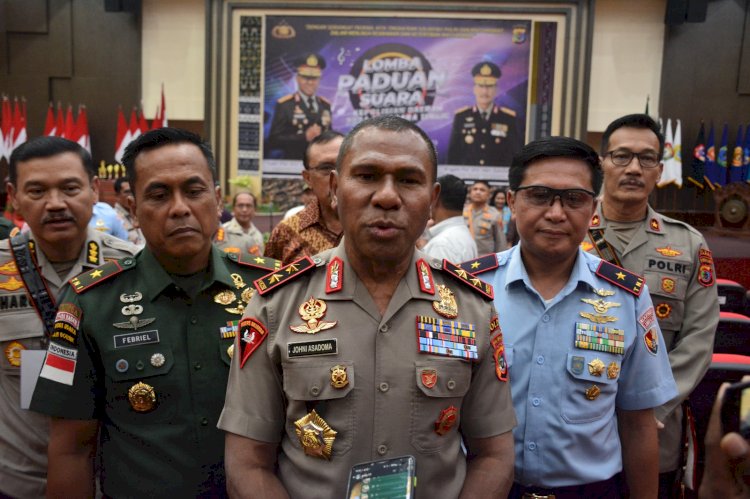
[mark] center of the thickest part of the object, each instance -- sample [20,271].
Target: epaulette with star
[469,279]
[259,262]
[324,100]
[90,278]
[461,109]
[630,282]
[285,98]
[274,280]
[508,111]
[481,264]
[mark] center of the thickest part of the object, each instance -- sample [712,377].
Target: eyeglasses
[539,195]
[323,169]
[623,157]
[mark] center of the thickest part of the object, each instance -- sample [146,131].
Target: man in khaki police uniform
[123,192]
[485,222]
[339,358]
[673,258]
[141,346]
[53,186]
[240,233]
[484,134]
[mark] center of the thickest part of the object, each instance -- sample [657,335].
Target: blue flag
[736,171]
[711,176]
[722,157]
[746,162]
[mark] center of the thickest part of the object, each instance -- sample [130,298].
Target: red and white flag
[19,125]
[82,129]
[142,123]
[60,122]
[6,126]
[134,127]
[50,126]
[122,134]
[69,129]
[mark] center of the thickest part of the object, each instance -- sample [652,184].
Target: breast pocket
[138,387]
[668,294]
[590,385]
[440,385]
[327,387]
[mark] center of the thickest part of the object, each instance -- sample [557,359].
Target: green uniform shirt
[179,350]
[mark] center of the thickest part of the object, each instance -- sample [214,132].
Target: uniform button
[197,366]
[535,402]
[384,328]
[540,360]
[545,317]
[193,320]
[531,446]
[204,421]
[481,146]
[451,384]
[382,449]
[314,390]
[383,387]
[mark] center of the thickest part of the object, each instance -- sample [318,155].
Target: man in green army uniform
[303,115]
[673,258]
[53,185]
[141,347]
[484,134]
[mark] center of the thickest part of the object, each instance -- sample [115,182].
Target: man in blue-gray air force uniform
[140,351]
[583,345]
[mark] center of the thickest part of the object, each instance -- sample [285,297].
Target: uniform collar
[89,257]
[580,273]
[155,279]
[654,222]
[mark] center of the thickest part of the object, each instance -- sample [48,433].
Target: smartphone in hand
[735,409]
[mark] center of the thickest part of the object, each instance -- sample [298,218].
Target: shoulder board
[470,280]
[630,282]
[265,284]
[220,235]
[259,262]
[508,110]
[461,110]
[324,100]
[481,264]
[285,98]
[91,278]
[14,232]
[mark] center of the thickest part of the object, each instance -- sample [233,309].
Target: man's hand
[70,472]
[727,459]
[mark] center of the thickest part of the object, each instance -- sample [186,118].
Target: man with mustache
[371,350]
[672,257]
[140,351]
[53,185]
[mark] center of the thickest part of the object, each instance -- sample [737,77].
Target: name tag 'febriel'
[135,339]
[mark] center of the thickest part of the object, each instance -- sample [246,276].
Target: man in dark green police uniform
[140,350]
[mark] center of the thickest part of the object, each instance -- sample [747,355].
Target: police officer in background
[141,347]
[673,258]
[52,184]
[583,345]
[385,386]
[301,116]
[484,134]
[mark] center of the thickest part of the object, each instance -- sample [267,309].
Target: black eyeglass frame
[632,155]
[557,193]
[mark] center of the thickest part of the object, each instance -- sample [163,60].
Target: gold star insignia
[96,273]
[275,278]
[260,260]
[475,265]
[620,276]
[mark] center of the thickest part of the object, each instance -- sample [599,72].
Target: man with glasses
[582,345]
[316,227]
[672,257]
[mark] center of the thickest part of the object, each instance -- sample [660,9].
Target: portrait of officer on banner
[301,116]
[484,134]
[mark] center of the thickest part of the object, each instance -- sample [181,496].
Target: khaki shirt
[231,238]
[675,261]
[24,434]
[391,402]
[486,227]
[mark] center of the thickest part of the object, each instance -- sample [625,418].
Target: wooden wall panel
[28,16]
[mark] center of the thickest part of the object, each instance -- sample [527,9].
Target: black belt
[605,489]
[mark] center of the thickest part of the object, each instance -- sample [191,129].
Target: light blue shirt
[105,219]
[562,437]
